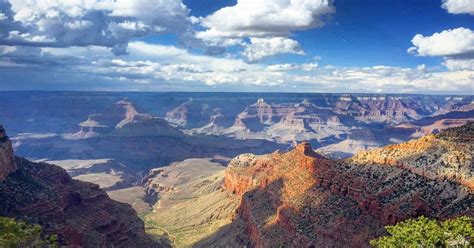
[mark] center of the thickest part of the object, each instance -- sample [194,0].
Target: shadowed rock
[7,159]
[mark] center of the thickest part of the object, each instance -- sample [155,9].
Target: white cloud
[281,67]
[27,37]
[459,6]
[108,23]
[79,24]
[387,79]
[260,48]
[309,66]
[450,42]
[173,55]
[459,64]
[263,18]
[293,67]
[114,23]
[151,66]
[161,14]
[456,46]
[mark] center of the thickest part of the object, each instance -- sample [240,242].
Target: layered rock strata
[301,199]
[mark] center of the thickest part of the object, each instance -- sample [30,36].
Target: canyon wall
[299,198]
[7,158]
[81,214]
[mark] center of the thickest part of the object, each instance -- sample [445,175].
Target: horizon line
[235,92]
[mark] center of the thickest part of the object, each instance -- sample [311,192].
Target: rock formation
[197,116]
[440,125]
[79,213]
[391,109]
[301,199]
[7,159]
[131,114]
[447,156]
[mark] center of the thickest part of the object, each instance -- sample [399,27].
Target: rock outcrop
[131,114]
[7,158]
[447,156]
[440,125]
[301,199]
[80,213]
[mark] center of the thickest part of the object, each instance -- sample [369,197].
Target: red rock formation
[80,213]
[432,157]
[299,198]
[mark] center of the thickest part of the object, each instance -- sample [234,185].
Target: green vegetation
[20,234]
[160,235]
[424,232]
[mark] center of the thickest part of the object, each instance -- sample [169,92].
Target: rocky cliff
[380,108]
[79,213]
[301,199]
[446,156]
[7,161]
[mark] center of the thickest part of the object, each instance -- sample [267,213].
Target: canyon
[299,198]
[79,213]
[160,128]
[252,169]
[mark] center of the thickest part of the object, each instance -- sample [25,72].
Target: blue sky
[390,46]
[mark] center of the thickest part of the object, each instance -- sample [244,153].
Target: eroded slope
[300,199]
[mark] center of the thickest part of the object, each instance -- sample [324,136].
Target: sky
[364,46]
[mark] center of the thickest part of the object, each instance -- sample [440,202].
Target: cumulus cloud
[254,18]
[456,46]
[152,67]
[260,48]
[387,79]
[52,44]
[113,23]
[459,64]
[268,24]
[292,67]
[459,6]
[170,15]
[109,23]
[450,42]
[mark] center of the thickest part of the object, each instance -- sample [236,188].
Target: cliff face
[447,156]
[288,122]
[78,212]
[380,108]
[286,201]
[7,161]
[299,198]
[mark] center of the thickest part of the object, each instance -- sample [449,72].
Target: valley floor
[191,205]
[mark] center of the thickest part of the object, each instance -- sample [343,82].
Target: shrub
[15,234]
[424,232]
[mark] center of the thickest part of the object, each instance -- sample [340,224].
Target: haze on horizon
[238,45]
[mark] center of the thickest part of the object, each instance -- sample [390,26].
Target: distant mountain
[140,131]
[132,141]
